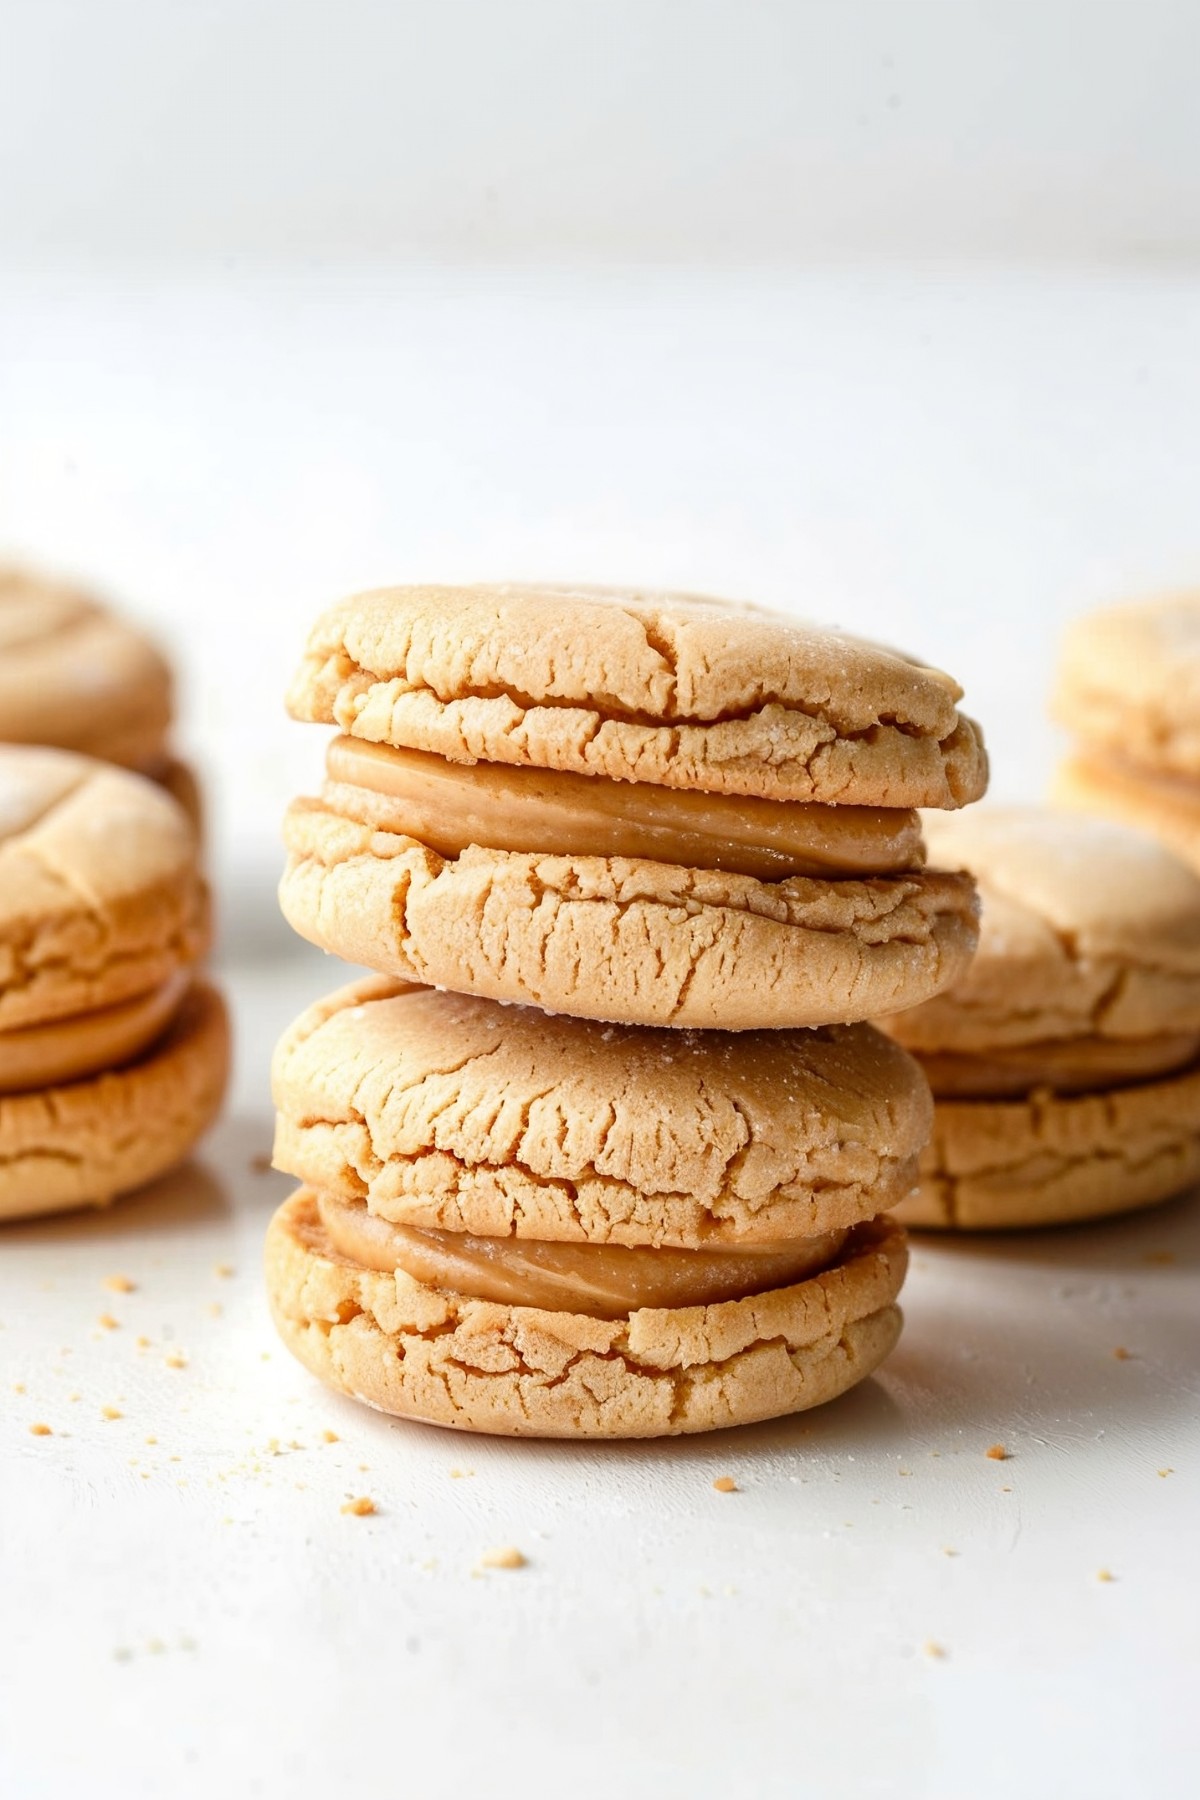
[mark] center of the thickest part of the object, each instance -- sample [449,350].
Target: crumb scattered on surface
[329,1437]
[997,1452]
[507,1557]
[362,1506]
[461,1474]
[119,1284]
[224,1270]
[1121,1353]
[142,1342]
[41,1430]
[1165,1472]
[725,1484]
[1105,1575]
[18,1387]
[108,1323]
[949,1552]
[214,1309]
[111,1412]
[936,1651]
[175,1359]
[151,1439]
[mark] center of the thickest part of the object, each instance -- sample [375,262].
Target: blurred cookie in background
[75,676]
[1065,1064]
[1129,688]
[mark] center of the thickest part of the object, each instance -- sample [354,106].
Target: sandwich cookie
[1065,1064]
[113,1056]
[74,676]
[548,1227]
[647,808]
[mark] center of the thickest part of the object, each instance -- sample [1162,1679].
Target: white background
[884,314]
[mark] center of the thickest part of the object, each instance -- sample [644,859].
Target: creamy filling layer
[606,1281]
[450,806]
[40,1056]
[1068,1066]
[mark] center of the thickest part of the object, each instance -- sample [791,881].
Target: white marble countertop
[956,463]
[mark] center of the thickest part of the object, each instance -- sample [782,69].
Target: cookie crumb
[997,1452]
[507,1557]
[120,1284]
[40,1430]
[1122,1354]
[937,1651]
[151,1439]
[461,1474]
[108,1323]
[224,1270]
[175,1359]
[949,1552]
[141,1342]
[18,1387]
[330,1437]
[1105,1575]
[1163,1473]
[362,1507]
[725,1484]
[214,1309]
[111,1412]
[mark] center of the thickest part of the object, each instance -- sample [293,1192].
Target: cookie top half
[455,1113]
[1129,681]
[75,676]
[1089,930]
[671,689]
[100,896]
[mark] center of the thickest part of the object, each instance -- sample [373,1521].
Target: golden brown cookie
[1093,781]
[75,676]
[1129,683]
[522,1200]
[446,1359]
[647,808]
[83,1142]
[111,1061]
[1066,1062]
[449,1112]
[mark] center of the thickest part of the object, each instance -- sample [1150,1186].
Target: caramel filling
[450,806]
[40,1056]
[1067,1066]
[606,1281]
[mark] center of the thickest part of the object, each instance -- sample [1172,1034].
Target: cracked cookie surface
[100,896]
[1053,1159]
[640,686]
[617,938]
[452,1113]
[440,1357]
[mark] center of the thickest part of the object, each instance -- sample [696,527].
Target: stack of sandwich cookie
[1066,1063]
[75,676]
[662,811]
[694,821]
[113,1054]
[1129,688]
[540,1226]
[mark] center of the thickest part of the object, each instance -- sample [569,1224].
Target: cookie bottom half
[85,1142]
[446,1359]
[1053,1159]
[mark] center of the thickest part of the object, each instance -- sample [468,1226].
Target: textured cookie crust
[446,1359]
[611,938]
[100,898]
[1109,789]
[1050,1160]
[663,688]
[84,1143]
[72,675]
[1129,682]
[453,1113]
[1089,930]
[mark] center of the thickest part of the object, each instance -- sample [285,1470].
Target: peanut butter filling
[606,1281]
[450,806]
[1067,1066]
[40,1056]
